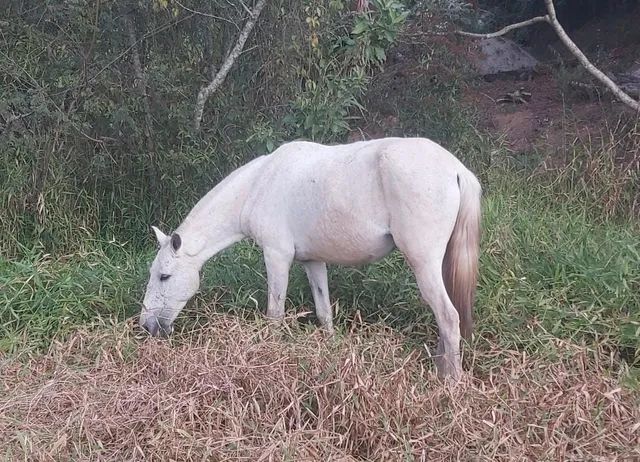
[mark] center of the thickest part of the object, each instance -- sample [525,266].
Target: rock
[629,81]
[502,56]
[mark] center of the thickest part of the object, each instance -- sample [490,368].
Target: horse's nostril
[156,327]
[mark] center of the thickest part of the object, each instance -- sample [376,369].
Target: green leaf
[360,27]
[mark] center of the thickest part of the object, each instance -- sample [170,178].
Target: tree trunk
[229,60]
[140,82]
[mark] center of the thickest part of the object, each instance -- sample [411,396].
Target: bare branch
[230,59]
[597,73]
[245,7]
[507,29]
[208,15]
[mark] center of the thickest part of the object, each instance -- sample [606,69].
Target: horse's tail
[460,265]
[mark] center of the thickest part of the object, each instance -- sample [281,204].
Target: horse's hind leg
[429,277]
[317,275]
[423,240]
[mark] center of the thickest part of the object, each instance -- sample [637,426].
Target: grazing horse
[349,205]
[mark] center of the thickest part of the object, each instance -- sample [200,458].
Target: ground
[247,391]
[561,92]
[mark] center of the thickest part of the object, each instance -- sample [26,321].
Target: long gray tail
[460,265]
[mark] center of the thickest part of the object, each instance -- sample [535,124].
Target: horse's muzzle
[156,327]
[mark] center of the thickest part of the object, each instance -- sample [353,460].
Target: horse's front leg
[317,275]
[278,264]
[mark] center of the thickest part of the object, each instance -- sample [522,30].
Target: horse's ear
[176,241]
[162,237]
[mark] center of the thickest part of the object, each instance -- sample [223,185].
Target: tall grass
[43,297]
[599,167]
[550,269]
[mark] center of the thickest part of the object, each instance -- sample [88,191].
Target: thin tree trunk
[141,86]
[230,59]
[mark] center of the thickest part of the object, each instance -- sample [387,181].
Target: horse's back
[336,203]
[417,153]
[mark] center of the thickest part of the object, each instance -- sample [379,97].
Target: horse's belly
[344,246]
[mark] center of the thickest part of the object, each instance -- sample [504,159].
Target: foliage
[321,111]
[377,29]
[78,155]
[341,57]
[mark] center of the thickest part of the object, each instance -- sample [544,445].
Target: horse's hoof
[450,379]
[328,330]
[276,318]
[448,371]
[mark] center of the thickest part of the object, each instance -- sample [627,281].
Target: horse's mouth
[156,327]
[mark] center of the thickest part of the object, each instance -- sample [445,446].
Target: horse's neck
[214,223]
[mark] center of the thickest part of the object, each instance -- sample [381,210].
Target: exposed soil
[564,101]
[542,121]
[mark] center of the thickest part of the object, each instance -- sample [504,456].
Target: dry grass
[244,391]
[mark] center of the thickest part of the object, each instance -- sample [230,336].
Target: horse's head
[174,278]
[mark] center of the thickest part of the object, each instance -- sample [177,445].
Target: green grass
[42,298]
[549,270]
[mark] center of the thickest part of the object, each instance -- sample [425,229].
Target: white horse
[348,204]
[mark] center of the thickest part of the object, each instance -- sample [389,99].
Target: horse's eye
[164,277]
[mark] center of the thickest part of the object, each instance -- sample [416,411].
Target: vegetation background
[97,144]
